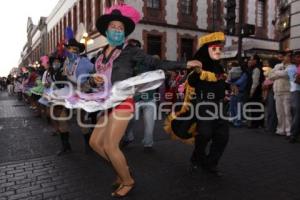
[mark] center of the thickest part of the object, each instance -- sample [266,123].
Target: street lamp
[36,64]
[86,40]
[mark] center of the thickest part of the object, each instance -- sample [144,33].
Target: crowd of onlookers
[273,83]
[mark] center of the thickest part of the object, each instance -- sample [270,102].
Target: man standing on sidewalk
[282,94]
[145,104]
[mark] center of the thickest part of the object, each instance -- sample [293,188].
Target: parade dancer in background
[53,73]
[77,69]
[37,91]
[59,112]
[74,67]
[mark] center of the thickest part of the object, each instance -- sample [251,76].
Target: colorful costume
[198,120]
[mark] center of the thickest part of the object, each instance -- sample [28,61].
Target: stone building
[169,28]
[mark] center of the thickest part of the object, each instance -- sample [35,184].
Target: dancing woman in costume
[116,62]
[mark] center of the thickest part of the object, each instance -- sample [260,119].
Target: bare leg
[115,130]
[97,137]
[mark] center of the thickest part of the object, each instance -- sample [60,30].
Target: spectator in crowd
[254,91]
[145,104]
[282,94]
[271,116]
[18,87]
[10,86]
[238,79]
[2,83]
[294,77]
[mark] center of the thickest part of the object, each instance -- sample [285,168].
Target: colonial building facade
[169,28]
[295,25]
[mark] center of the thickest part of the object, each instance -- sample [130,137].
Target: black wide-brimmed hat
[73,43]
[115,15]
[54,57]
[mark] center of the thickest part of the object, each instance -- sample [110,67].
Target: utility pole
[240,29]
[214,16]
[230,17]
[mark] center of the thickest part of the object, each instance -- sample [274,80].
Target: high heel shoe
[115,194]
[115,185]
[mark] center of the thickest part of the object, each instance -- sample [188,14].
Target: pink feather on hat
[44,60]
[127,11]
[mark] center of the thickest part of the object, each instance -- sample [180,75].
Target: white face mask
[215,51]
[56,66]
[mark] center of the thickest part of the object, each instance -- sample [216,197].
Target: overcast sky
[13,21]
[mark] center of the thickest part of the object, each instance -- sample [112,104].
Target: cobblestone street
[256,165]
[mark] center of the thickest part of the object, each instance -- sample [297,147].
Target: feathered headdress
[124,13]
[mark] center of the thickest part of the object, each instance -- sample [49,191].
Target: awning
[250,45]
[229,54]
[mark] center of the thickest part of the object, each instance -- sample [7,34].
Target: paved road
[256,165]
